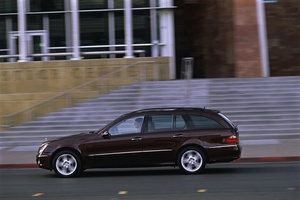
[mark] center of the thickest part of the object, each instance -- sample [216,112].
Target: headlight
[42,148]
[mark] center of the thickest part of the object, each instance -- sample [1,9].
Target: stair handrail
[142,77]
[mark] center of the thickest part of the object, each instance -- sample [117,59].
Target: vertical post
[45,37]
[154,38]
[167,33]
[261,17]
[128,29]
[22,31]
[111,28]
[75,29]
[68,27]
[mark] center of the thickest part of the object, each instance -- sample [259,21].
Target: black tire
[66,164]
[191,160]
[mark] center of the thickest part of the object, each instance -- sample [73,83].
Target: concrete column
[261,20]
[23,44]
[128,29]
[75,29]
[167,33]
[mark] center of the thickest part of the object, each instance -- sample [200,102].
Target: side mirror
[105,135]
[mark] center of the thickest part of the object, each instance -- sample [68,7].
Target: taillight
[232,139]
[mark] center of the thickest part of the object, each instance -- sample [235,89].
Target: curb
[241,160]
[268,159]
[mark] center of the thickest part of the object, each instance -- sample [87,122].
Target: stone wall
[221,35]
[23,84]
[248,62]
[283,31]
[223,38]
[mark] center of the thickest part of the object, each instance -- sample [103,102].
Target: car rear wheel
[66,164]
[191,160]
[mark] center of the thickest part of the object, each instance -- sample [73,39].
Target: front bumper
[44,161]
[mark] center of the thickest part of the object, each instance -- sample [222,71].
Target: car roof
[174,109]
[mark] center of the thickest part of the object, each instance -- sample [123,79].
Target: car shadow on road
[161,171]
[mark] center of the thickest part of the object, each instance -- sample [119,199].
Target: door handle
[178,136]
[136,139]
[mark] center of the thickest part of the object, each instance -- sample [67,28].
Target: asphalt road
[268,181]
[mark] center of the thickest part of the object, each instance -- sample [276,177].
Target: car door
[162,138]
[121,147]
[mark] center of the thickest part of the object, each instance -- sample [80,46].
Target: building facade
[225,38]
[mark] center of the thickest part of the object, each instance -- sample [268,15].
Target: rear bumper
[225,153]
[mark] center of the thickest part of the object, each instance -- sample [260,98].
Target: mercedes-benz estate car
[185,137]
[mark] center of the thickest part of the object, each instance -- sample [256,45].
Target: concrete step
[262,107]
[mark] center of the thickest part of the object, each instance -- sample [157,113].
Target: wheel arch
[66,149]
[191,145]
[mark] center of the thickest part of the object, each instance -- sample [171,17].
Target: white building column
[261,17]
[23,44]
[128,29]
[167,33]
[75,30]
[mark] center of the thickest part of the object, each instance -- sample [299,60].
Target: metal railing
[138,71]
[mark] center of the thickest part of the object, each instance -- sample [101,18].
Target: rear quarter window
[203,122]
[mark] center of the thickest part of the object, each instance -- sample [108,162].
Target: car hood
[80,136]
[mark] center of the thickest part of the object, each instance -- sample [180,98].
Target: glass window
[127,126]
[119,27]
[140,3]
[2,35]
[94,28]
[57,30]
[8,6]
[92,4]
[141,26]
[48,5]
[118,3]
[34,22]
[179,123]
[201,122]
[161,122]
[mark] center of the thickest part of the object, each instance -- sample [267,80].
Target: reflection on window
[201,122]
[131,125]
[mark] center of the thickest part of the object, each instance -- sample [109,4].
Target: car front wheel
[191,160]
[66,164]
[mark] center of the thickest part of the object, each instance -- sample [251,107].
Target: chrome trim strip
[130,152]
[106,154]
[223,146]
[153,151]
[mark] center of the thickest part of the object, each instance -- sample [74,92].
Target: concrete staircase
[263,108]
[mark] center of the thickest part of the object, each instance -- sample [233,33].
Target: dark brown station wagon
[184,137]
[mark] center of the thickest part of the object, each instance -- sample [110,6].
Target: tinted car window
[179,123]
[202,122]
[130,125]
[160,123]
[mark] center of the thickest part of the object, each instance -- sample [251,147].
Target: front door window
[127,126]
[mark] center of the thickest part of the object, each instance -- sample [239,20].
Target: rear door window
[203,122]
[161,123]
[166,122]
